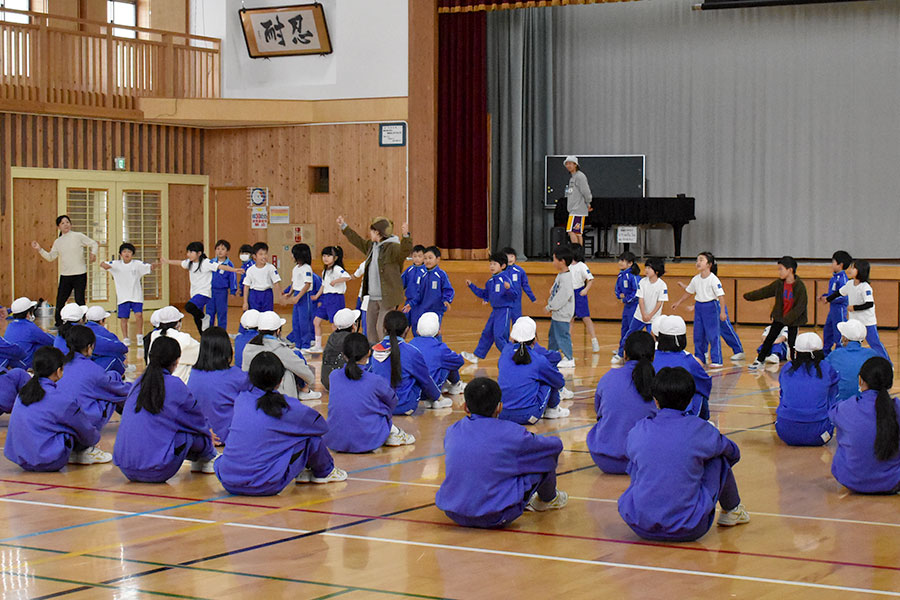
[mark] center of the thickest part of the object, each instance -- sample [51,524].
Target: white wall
[370,58]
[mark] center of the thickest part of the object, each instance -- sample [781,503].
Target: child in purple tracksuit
[680,466]
[671,338]
[443,363]
[434,292]
[495,470]
[22,331]
[11,355]
[809,387]
[11,382]
[501,295]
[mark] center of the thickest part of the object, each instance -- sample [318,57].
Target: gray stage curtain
[783,122]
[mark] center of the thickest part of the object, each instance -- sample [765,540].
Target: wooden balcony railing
[71,65]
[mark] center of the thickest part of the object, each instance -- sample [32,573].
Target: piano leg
[676,232]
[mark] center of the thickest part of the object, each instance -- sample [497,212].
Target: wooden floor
[87,532]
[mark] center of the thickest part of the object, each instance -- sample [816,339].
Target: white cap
[22,304]
[808,342]
[345,318]
[72,313]
[270,321]
[168,314]
[154,318]
[671,325]
[250,319]
[429,324]
[571,158]
[853,330]
[523,330]
[95,313]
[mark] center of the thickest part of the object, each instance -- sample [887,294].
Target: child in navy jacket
[808,391]
[412,274]
[519,279]
[495,470]
[626,289]
[837,308]
[11,383]
[680,467]
[443,363]
[434,292]
[223,284]
[22,331]
[501,295]
[11,355]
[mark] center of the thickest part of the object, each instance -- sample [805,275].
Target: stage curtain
[462,195]
[454,6]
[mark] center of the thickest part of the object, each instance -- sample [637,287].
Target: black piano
[606,212]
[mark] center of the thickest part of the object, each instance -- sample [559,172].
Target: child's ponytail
[47,361]
[197,247]
[396,324]
[164,353]
[266,372]
[356,347]
[522,356]
[78,339]
[640,347]
[878,374]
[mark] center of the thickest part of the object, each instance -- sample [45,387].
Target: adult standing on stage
[381,282]
[578,201]
[68,247]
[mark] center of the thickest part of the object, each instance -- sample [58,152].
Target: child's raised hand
[35,245]
[406,308]
[340,221]
[446,306]
[822,300]
[468,282]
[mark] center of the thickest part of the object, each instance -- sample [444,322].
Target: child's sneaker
[736,516]
[441,402]
[755,365]
[90,456]
[140,341]
[399,438]
[566,363]
[126,341]
[305,476]
[336,475]
[316,349]
[309,395]
[130,368]
[737,357]
[457,388]
[204,325]
[595,345]
[469,357]
[535,504]
[716,365]
[566,394]
[617,360]
[204,466]
[773,359]
[557,412]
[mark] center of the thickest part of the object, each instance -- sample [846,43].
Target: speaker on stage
[558,237]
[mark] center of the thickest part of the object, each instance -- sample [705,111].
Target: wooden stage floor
[87,532]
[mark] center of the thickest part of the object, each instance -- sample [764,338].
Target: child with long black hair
[47,428]
[809,387]
[299,294]
[201,270]
[652,294]
[331,294]
[162,424]
[623,397]
[403,366]
[215,383]
[70,315]
[360,404]
[867,460]
[273,438]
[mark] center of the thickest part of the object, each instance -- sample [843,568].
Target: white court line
[563,559]
[106,510]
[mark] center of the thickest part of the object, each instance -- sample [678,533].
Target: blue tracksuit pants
[706,331]
[831,336]
[218,308]
[496,331]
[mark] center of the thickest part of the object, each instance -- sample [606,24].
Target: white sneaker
[566,394]
[617,360]
[204,466]
[305,476]
[126,341]
[535,504]
[204,325]
[441,403]
[557,412]
[130,368]
[755,365]
[140,341]
[309,395]
[773,359]
[457,388]
[566,363]
[427,403]
[716,365]
[305,351]
[595,345]
[317,349]
[90,456]
[469,357]
[737,357]
[399,438]
[736,516]
[336,475]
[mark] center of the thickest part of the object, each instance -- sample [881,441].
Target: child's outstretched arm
[767,291]
[481,293]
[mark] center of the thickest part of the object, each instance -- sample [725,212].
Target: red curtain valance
[452,6]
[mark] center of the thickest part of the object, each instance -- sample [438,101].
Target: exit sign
[119,163]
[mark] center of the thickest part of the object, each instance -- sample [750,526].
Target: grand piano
[606,212]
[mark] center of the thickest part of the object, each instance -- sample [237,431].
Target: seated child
[529,382]
[680,466]
[808,391]
[848,358]
[622,399]
[333,356]
[215,383]
[443,363]
[47,428]
[404,366]
[170,320]
[249,321]
[109,352]
[11,382]
[273,439]
[780,350]
[162,424]
[867,460]
[11,355]
[300,379]
[360,404]
[670,352]
[70,315]
[495,470]
[22,331]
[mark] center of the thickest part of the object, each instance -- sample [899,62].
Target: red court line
[517,531]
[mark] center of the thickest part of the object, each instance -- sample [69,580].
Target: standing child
[333,357]
[273,439]
[334,286]
[582,280]
[434,293]
[302,332]
[109,352]
[501,295]
[808,390]
[412,274]
[245,255]
[361,404]
[128,275]
[249,322]
[652,294]
[496,470]
[561,306]
[679,467]
[443,363]
[201,270]
[519,280]
[223,284]
[849,358]
[861,302]
[22,331]
[259,280]
[726,329]
[708,310]
[671,337]
[626,290]
[789,310]
[837,308]
[867,460]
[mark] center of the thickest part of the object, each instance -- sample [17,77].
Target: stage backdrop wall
[782,122]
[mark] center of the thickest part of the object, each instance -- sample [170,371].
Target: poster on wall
[285,30]
[279,215]
[259,217]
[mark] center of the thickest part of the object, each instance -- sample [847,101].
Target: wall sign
[285,30]
[392,134]
[626,235]
[279,215]
[259,217]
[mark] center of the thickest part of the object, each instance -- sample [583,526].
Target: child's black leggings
[197,313]
[774,331]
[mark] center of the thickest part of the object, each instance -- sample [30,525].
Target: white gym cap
[168,314]
[345,318]
[95,313]
[270,321]
[671,325]
[853,330]
[523,330]
[429,325]
[250,319]
[72,313]
[22,304]
[808,342]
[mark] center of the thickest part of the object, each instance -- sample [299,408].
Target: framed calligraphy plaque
[285,30]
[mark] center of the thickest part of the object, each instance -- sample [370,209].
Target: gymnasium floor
[88,533]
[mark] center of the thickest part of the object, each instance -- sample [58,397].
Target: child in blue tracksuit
[246,258]
[709,310]
[622,399]
[837,308]
[626,289]
[22,331]
[849,358]
[274,439]
[443,363]
[248,331]
[808,391]
[530,384]
[404,367]
[97,391]
[680,467]
[519,280]
[162,424]
[360,404]
[300,294]
[47,427]
[868,433]
[12,356]
[411,274]
[215,383]
[223,284]
[501,295]
[109,352]
[670,352]
[200,269]
[434,292]
[11,382]
[495,470]
[726,329]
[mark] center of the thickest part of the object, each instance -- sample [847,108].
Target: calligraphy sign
[285,30]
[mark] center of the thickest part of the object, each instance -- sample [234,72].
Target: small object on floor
[566,394]
[567,363]
[535,504]
[457,388]
[737,357]
[90,456]
[204,466]
[736,516]
[469,357]
[557,412]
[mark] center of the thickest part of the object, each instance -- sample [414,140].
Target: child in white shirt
[128,275]
[652,294]
[259,281]
[331,295]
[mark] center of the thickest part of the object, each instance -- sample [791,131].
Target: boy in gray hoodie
[561,307]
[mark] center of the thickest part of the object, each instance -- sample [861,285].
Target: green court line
[92,585]
[343,588]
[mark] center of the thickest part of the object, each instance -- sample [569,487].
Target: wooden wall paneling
[752,312]
[887,302]
[185,226]
[675,292]
[821,287]
[33,201]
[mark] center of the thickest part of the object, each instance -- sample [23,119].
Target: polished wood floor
[87,532]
